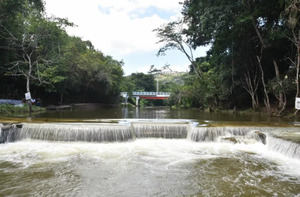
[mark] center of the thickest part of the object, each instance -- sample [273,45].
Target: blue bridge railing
[166,94]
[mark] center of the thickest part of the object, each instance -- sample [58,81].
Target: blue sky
[123,29]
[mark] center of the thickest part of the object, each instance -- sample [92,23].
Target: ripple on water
[145,167]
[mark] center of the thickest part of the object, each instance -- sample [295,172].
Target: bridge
[146,95]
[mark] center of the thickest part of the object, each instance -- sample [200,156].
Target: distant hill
[166,79]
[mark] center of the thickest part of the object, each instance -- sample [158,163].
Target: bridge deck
[152,94]
[147,95]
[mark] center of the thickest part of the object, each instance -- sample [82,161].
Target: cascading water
[192,161]
[211,134]
[160,130]
[72,132]
[230,134]
[112,132]
[95,132]
[8,133]
[266,135]
[284,147]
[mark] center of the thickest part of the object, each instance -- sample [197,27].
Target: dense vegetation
[19,110]
[138,82]
[254,57]
[38,56]
[253,61]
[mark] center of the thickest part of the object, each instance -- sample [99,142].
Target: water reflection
[96,111]
[125,112]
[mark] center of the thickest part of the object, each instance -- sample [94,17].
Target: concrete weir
[94,132]
[129,130]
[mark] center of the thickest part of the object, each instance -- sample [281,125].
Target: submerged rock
[261,136]
[19,126]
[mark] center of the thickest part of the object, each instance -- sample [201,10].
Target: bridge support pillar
[137,101]
[126,100]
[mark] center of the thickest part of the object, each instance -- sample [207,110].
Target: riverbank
[288,113]
[19,109]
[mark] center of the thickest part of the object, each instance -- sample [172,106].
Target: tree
[172,35]
[56,67]
[292,13]
[26,45]
[143,82]
[245,37]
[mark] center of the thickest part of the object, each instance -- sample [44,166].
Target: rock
[19,126]
[262,137]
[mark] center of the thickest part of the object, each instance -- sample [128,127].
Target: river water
[150,152]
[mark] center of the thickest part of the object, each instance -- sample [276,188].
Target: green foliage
[11,109]
[209,91]
[64,68]
[138,82]
[239,32]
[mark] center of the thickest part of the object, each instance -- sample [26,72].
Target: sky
[123,29]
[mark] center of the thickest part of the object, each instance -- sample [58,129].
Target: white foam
[164,151]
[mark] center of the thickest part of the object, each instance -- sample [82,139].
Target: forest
[38,56]
[253,60]
[254,55]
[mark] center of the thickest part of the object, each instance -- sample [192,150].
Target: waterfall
[72,132]
[160,130]
[232,134]
[94,132]
[240,134]
[8,133]
[126,131]
[288,148]
[2,140]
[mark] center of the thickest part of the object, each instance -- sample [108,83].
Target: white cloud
[110,24]
[124,29]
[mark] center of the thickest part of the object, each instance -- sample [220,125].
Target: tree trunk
[61,98]
[263,46]
[280,96]
[251,85]
[254,102]
[266,100]
[258,35]
[28,85]
[190,58]
[297,66]
[29,100]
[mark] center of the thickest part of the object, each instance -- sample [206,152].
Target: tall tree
[172,36]
[245,36]
[292,13]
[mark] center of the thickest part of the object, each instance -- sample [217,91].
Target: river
[103,151]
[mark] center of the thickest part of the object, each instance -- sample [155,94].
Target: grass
[11,109]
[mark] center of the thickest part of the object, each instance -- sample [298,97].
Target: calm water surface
[94,112]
